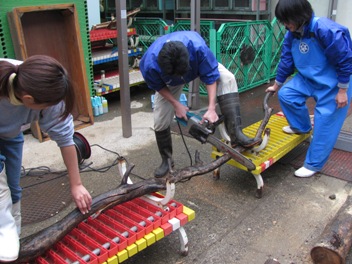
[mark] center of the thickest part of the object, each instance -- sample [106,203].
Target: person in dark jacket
[320,50]
[174,60]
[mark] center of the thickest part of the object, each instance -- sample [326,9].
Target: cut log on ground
[335,241]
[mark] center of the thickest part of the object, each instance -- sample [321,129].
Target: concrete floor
[231,225]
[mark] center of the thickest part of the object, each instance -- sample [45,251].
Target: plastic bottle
[99,105]
[105,105]
[94,106]
[102,78]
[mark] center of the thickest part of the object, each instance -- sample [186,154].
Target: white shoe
[304,172]
[289,130]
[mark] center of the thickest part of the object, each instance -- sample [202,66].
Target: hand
[272,88]
[341,98]
[210,116]
[82,198]
[181,111]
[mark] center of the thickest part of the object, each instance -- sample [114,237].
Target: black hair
[42,77]
[173,58]
[298,12]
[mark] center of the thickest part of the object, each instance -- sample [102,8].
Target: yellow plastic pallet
[279,144]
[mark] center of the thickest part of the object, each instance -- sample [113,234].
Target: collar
[304,30]
[12,97]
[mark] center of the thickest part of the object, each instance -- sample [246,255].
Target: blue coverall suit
[323,58]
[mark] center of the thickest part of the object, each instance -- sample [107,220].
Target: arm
[286,64]
[180,109]
[211,114]
[336,42]
[61,131]
[274,88]
[80,195]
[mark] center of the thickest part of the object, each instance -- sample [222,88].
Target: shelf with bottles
[105,55]
[105,68]
[110,53]
[109,82]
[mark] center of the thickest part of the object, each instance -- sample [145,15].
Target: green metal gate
[235,36]
[278,33]
[207,31]
[226,43]
[149,30]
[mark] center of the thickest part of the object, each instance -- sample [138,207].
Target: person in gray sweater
[38,89]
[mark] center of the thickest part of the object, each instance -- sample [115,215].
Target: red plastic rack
[103,34]
[118,233]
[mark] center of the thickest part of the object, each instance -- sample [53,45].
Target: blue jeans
[11,154]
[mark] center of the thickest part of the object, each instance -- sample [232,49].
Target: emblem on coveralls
[303,47]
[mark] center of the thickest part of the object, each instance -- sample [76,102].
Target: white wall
[320,7]
[343,13]
[93,12]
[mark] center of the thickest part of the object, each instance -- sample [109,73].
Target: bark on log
[336,239]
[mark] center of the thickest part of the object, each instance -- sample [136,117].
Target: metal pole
[332,9]
[195,15]
[122,42]
[193,95]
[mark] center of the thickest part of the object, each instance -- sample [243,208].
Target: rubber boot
[9,239]
[230,108]
[16,213]
[163,139]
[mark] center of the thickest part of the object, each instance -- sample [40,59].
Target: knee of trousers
[226,84]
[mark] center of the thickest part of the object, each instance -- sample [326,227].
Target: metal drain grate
[44,196]
[338,164]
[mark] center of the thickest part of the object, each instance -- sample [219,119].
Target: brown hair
[41,77]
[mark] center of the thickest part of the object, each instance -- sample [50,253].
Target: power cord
[42,171]
[188,152]
[184,143]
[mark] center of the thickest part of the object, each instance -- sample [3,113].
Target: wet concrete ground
[231,224]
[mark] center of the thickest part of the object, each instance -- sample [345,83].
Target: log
[37,244]
[336,239]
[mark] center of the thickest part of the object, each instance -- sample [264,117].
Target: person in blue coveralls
[321,52]
[174,60]
[38,88]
